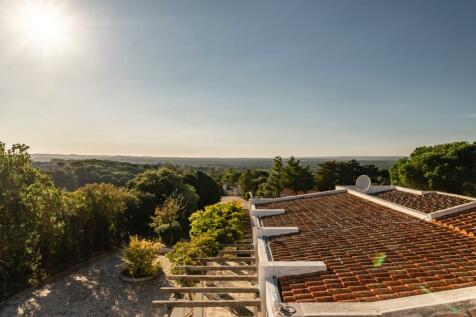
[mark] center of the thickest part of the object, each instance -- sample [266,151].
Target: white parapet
[260,201]
[409,211]
[413,191]
[269,270]
[416,305]
[286,268]
[266,212]
[452,210]
[260,232]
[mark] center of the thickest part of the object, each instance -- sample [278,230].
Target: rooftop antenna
[363,183]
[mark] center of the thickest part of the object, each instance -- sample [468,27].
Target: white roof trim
[452,210]
[266,212]
[409,211]
[260,201]
[398,305]
[413,191]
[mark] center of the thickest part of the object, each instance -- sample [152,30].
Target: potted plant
[140,260]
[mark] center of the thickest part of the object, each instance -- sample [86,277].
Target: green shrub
[220,221]
[210,229]
[140,257]
[166,219]
[186,253]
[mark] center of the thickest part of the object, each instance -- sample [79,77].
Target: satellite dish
[363,183]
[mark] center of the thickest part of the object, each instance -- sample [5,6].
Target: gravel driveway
[95,290]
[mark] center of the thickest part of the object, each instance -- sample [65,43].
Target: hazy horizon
[220,157]
[238,79]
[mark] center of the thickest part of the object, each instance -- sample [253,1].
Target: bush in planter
[221,221]
[140,257]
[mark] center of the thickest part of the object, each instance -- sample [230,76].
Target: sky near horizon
[243,78]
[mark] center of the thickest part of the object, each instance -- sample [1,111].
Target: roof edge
[452,210]
[261,201]
[385,203]
[401,305]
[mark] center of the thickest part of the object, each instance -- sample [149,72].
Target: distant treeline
[73,174]
[218,163]
[293,176]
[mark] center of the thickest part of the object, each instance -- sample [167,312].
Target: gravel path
[95,290]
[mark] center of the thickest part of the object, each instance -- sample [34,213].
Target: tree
[166,220]
[447,167]
[247,182]
[332,173]
[297,177]
[161,183]
[31,219]
[250,180]
[274,184]
[327,175]
[205,186]
[101,212]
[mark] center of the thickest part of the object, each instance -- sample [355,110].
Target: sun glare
[43,25]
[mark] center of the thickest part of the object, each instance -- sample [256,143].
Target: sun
[44,25]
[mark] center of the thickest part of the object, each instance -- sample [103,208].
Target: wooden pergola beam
[211,290]
[217,268]
[214,277]
[228,259]
[236,251]
[209,303]
[238,245]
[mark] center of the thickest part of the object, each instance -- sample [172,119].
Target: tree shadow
[92,291]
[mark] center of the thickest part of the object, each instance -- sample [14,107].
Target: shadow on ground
[92,291]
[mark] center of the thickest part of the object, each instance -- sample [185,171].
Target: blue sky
[245,78]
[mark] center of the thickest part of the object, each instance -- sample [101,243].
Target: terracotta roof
[372,252]
[463,222]
[427,203]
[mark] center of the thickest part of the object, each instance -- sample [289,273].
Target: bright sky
[237,78]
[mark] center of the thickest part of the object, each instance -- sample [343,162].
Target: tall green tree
[275,183]
[250,180]
[297,177]
[31,221]
[447,167]
[206,187]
